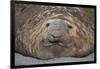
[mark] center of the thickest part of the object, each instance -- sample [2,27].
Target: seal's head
[60,39]
[52,31]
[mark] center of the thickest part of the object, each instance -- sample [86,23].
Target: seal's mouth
[55,42]
[49,50]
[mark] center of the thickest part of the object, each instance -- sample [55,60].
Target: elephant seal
[47,32]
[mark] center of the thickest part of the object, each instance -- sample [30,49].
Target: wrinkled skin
[53,36]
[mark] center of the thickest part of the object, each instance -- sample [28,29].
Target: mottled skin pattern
[47,32]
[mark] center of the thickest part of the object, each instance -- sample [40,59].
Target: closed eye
[48,24]
[69,26]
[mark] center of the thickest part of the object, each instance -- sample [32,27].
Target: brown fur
[32,30]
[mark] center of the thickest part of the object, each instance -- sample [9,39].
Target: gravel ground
[23,60]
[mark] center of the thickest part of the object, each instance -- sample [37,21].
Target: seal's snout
[56,29]
[54,37]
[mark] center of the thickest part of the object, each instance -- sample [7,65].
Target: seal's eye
[48,24]
[69,26]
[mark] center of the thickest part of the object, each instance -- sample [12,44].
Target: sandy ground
[23,60]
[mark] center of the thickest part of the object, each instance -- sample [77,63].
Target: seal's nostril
[52,35]
[53,39]
[55,36]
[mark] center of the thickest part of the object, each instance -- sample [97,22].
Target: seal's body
[52,31]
